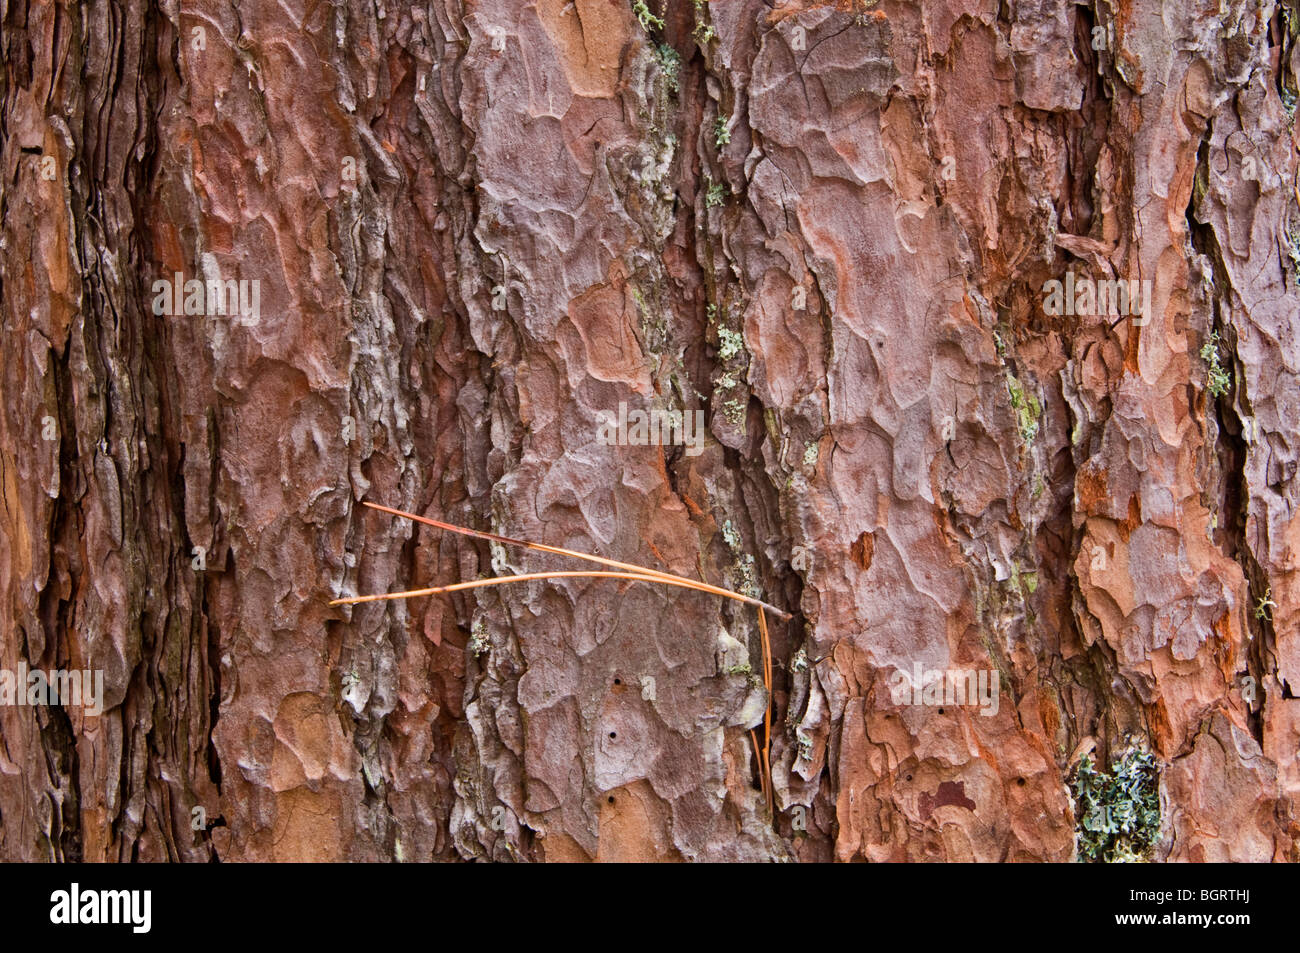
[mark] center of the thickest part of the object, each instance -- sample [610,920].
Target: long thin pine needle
[525,577]
[626,571]
[539,547]
[767,713]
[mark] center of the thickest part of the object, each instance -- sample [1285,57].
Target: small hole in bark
[618,681]
[613,734]
[941,711]
[611,799]
[909,777]
[1020,782]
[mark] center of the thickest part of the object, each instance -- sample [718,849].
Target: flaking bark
[480,227]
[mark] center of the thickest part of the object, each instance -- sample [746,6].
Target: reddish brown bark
[479,227]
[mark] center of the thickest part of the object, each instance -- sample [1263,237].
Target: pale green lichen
[1027,408]
[647,19]
[670,64]
[721,134]
[1023,583]
[734,410]
[805,746]
[1217,379]
[1265,605]
[744,563]
[478,642]
[810,454]
[715,194]
[731,535]
[1117,814]
[732,343]
[704,32]
[748,577]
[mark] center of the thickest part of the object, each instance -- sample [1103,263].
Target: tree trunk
[436,248]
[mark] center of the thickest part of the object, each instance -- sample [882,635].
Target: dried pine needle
[529,576]
[626,571]
[639,571]
[766,765]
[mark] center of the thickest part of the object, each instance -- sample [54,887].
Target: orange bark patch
[633,827]
[1224,649]
[1133,520]
[1162,735]
[862,551]
[1049,713]
[589,37]
[1131,350]
[560,848]
[610,350]
[1090,488]
[19,539]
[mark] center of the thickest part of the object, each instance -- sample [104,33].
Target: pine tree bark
[478,228]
